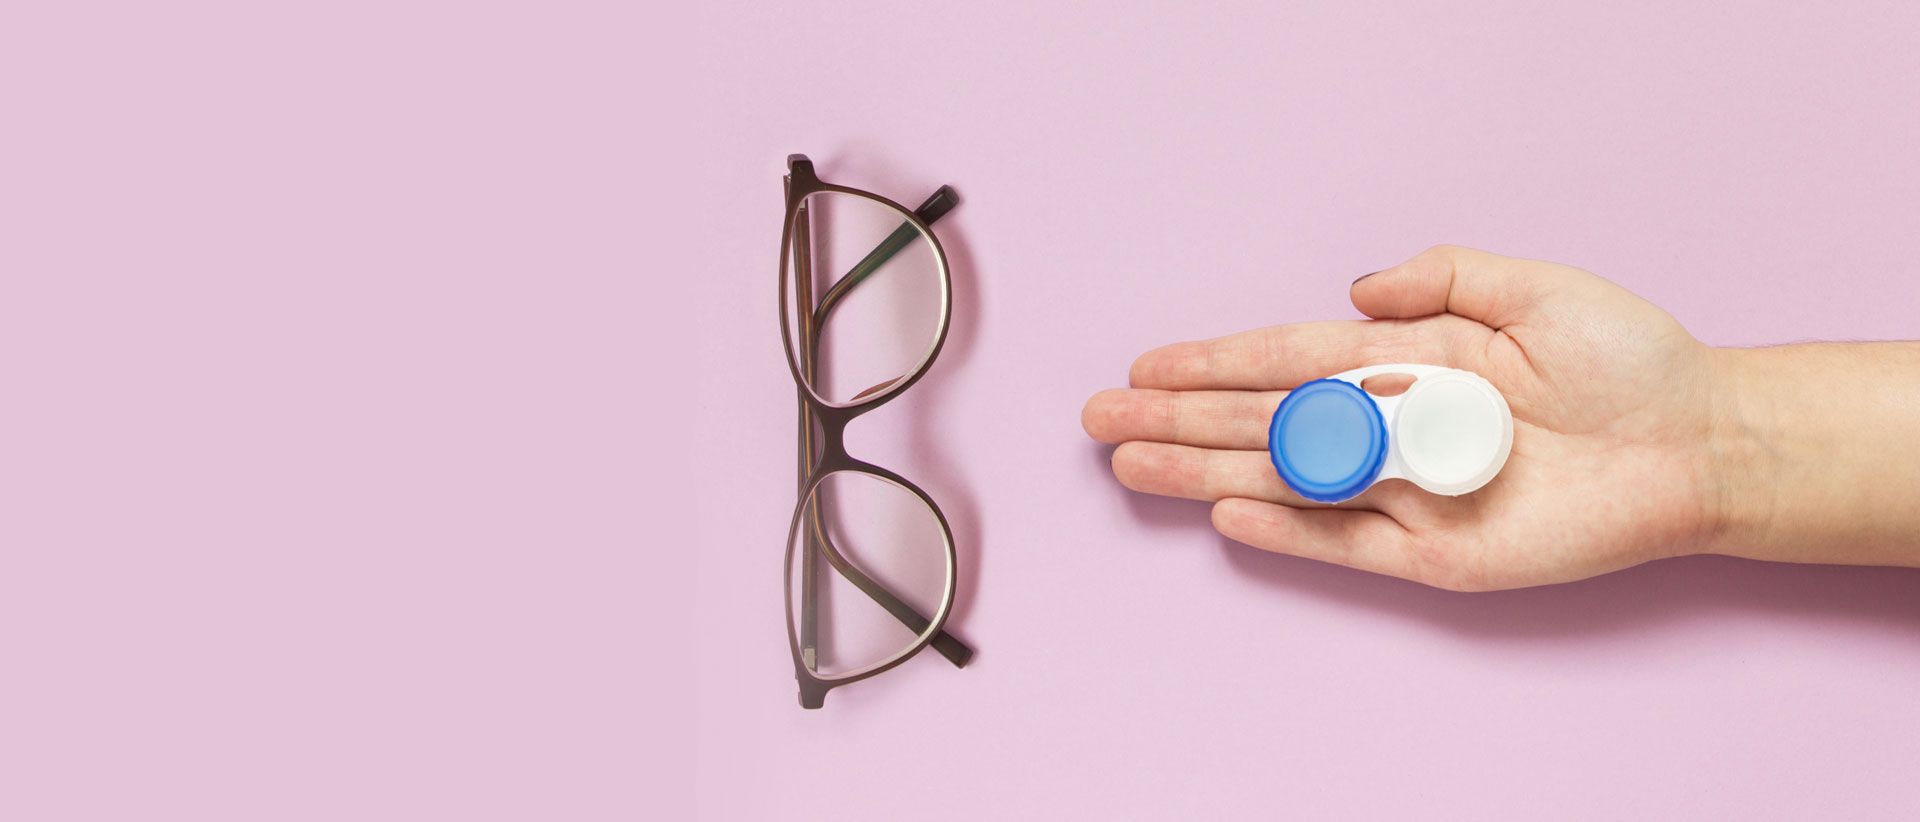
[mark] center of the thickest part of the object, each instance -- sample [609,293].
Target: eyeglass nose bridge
[833,454]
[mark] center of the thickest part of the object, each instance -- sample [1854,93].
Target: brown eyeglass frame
[823,426]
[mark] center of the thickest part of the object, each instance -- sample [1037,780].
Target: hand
[1614,408]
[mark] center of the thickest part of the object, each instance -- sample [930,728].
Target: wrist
[1811,454]
[1742,488]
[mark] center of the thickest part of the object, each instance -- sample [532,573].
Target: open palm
[1612,403]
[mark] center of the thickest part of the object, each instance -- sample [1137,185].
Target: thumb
[1494,290]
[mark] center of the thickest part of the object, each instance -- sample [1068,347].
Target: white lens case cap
[1449,433]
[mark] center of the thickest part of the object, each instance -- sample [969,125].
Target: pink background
[328,413]
[393,424]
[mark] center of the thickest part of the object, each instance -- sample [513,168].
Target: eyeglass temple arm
[934,208]
[949,646]
[803,291]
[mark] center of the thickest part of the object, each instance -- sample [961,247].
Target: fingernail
[1364,276]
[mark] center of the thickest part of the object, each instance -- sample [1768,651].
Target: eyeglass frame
[801,182]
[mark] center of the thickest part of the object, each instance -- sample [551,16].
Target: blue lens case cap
[1328,440]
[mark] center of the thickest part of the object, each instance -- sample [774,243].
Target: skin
[1633,441]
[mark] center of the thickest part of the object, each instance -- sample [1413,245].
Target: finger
[1198,473]
[1210,475]
[1285,356]
[1478,285]
[1367,540]
[1207,419]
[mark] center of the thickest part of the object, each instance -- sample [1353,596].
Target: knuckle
[1207,476]
[1296,343]
[1402,340]
[1171,413]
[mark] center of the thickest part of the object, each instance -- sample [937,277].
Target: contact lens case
[1450,432]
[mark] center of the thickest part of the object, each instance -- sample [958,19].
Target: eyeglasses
[870,567]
